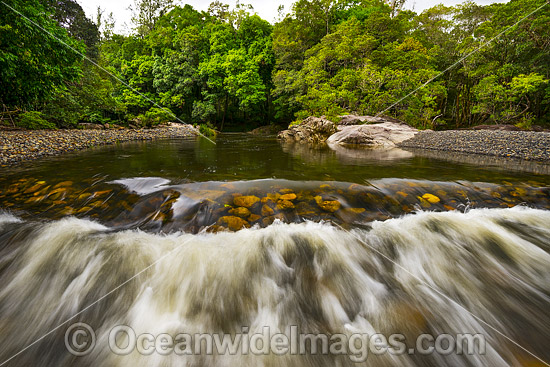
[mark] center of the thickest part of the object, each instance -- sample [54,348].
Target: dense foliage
[227,68]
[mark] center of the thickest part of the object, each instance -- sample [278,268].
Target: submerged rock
[304,209]
[233,223]
[431,198]
[351,214]
[246,201]
[327,205]
[267,210]
[240,212]
[285,205]
[254,218]
[288,197]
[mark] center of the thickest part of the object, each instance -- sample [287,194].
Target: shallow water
[353,243]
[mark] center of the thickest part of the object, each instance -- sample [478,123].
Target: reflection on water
[344,155]
[238,157]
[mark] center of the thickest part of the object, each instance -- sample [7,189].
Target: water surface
[182,236]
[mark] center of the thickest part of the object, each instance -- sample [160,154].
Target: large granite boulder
[312,130]
[386,134]
[352,130]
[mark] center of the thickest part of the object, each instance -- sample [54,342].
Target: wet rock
[215,229]
[34,188]
[286,191]
[285,205]
[101,193]
[241,212]
[254,218]
[245,201]
[83,210]
[63,184]
[233,223]
[351,214]
[327,205]
[43,191]
[288,197]
[34,200]
[67,211]
[84,196]
[269,220]
[305,210]
[266,200]
[160,216]
[267,211]
[272,197]
[200,195]
[432,199]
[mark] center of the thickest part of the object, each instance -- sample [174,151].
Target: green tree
[34,63]
[147,12]
[70,15]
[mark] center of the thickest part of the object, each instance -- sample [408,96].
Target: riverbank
[526,145]
[18,146]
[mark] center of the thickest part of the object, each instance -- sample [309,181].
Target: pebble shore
[18,146]
[532,146]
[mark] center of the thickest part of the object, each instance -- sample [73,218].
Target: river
[148,243]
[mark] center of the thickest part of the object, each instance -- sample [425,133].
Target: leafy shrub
[203,111]
[63,109]
[34,120]
[526,122]
[155,116]
[207,131]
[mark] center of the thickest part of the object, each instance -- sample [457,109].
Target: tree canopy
[445,67]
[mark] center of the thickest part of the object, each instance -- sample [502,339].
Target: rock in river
[352,130]
[246,201]
[386,134]
[311,130]
[233,223]
[240,212]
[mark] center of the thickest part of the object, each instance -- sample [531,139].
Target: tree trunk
[224,112]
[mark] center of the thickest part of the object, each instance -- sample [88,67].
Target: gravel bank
[17,146]
[533,146]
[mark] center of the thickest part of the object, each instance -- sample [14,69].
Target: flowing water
[181,237]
